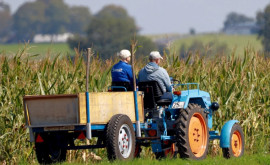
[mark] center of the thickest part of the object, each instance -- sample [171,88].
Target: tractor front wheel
[237,143]
[192,132]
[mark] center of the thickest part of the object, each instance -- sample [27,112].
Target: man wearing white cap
[153,72]
[122,71]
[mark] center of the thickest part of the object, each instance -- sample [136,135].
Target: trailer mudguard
[225,133]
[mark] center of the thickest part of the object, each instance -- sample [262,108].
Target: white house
[242,28]
[40,38]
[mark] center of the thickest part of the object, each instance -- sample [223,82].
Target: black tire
[238,149]
[192,141]
[120,138]
[42,153]
[52,150]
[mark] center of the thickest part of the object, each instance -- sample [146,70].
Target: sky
[172,16]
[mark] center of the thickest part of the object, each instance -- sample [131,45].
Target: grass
[41,49]
[236,43]
[256,159]
[248,159]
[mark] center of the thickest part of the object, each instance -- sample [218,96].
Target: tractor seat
[165,99]
[153,94]
[122,86]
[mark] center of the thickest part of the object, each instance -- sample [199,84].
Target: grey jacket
[153,72]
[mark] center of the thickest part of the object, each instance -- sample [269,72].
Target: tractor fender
[226,133]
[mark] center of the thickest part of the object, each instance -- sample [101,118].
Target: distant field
[37,49]
[237,43]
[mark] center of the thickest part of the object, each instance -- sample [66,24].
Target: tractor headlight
[214,106]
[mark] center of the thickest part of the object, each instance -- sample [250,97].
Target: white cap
[155,55]
[124,54]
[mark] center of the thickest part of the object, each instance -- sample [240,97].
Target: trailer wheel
[236,144]
[192,133]
[120,141]
[51,150]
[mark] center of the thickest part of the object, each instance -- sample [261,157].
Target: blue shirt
[122,72]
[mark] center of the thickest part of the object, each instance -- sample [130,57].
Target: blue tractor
[182,124]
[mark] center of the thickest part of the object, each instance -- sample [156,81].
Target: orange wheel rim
[236,143]
[197,134]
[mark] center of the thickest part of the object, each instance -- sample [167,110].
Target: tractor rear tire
[51,150]
[192,132]
[237,143]
[120,138]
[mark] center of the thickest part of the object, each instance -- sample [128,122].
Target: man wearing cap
[153,72]
[122,71]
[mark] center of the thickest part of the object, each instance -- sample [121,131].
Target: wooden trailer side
[103,105]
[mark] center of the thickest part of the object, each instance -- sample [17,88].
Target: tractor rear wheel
[192,133]
[120,138]
[237,143]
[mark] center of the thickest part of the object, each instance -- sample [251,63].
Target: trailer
[55,121]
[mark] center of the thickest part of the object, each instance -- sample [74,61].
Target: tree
[263,21]
[80,18]
[57,17]
[29,20]
[49,17]
[192,31]
[210,49]
[145,46]
[6,21]
[109,32]
[235,18]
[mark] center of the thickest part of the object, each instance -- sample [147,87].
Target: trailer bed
[70,109]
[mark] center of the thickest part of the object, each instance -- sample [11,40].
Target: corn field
[240,85]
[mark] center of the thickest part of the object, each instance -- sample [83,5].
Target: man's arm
[129,74]
[167,80]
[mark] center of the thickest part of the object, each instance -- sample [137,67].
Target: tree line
[261,28]
[107,32]
[44,17]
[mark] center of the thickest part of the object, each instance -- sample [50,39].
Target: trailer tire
[236,136]
[192,132]
[120,138]
[50,151]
